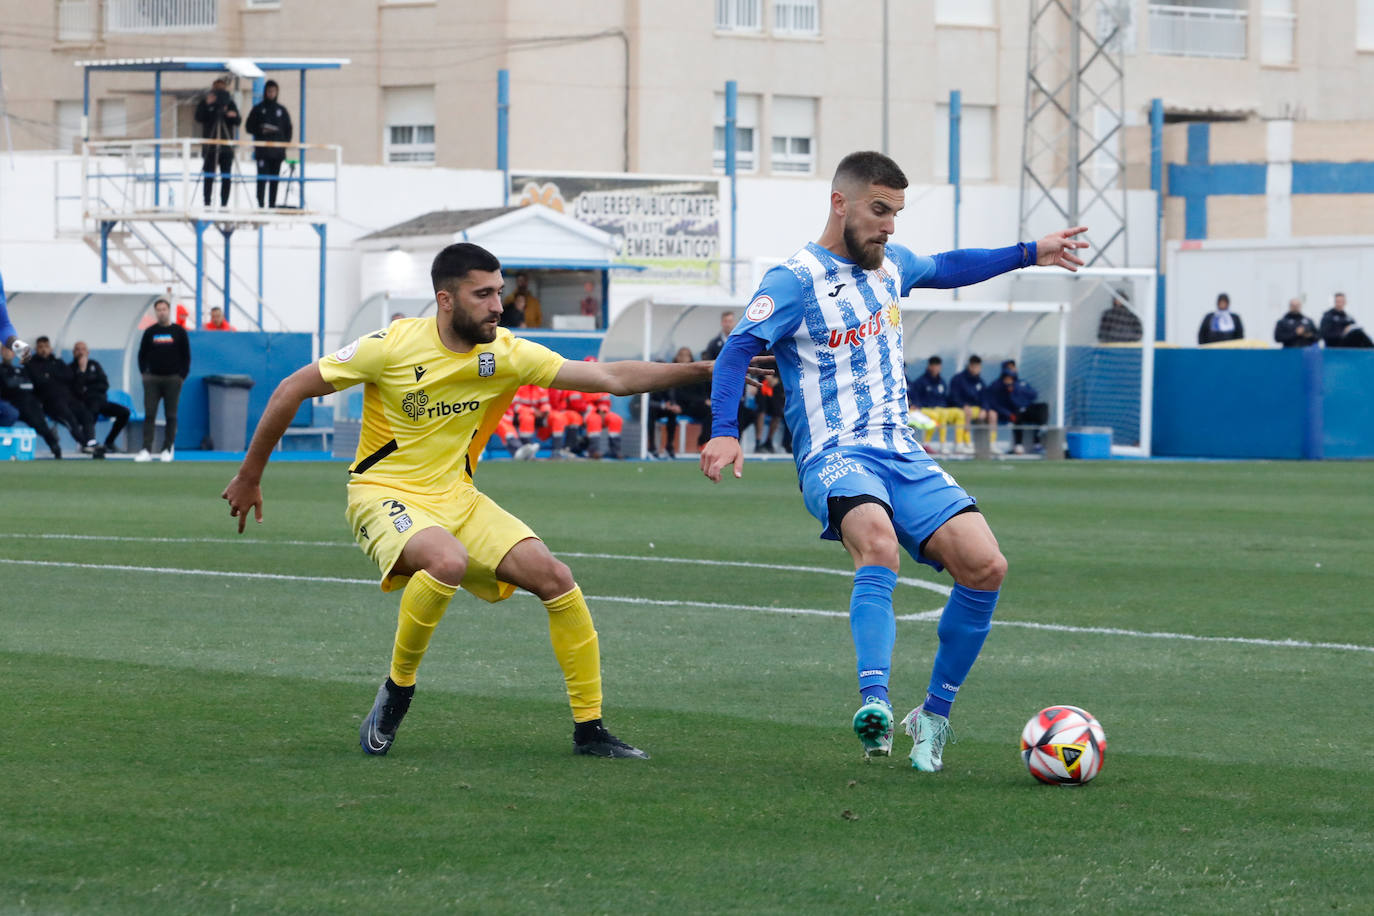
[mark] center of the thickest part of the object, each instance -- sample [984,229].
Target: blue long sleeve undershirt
[727,382]
[967,266]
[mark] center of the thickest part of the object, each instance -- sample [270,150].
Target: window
[409,130]
[113,122]
[746,130]
[1364,25]
[68,125]
[1199,28]
[739,15]
[163,16]
[794,135]
[965,12]
[975,142]
[1277,26]
[263,4]
[77,20]
[796,17]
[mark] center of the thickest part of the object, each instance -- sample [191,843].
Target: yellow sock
[578,652]
[422,605]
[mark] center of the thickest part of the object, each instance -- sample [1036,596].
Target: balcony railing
[78,20]
[1190,31]
[161,16]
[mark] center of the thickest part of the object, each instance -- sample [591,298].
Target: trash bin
[228,414]
[1092,442]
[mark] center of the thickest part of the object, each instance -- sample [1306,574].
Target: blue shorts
[920,494]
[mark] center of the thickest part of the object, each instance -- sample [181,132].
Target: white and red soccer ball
[1063,746]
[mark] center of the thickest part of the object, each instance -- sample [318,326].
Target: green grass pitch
[180,741]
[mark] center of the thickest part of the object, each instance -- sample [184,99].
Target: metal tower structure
[1072,153]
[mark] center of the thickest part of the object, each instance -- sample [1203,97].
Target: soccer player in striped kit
[830,315]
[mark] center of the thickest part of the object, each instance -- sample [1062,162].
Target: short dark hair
[975,358]
[43,339]
[455,261]
[1334,295]
[1222,297]
[868,167]
[935,361]
[163,301]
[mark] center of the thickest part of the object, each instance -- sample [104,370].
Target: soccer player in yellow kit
[435,389]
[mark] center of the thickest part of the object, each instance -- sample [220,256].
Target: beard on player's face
[473,330]
[867,253]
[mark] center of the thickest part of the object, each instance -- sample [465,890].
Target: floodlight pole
[503,132]
[731,120]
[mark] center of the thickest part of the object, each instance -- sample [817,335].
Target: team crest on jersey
[344,354]
[759,309]
[486,364]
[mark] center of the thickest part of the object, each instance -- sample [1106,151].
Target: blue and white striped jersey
[836,330]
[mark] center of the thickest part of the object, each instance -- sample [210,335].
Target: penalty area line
[811,612]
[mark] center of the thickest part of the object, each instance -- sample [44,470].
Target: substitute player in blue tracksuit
[8,335]
[831,316]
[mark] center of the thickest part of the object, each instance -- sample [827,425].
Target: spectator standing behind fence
[16,388]
[217,322]
[1339,329]
[663,405]
[92,389]
[513,314]
[269,121]
[532,309]
[1295,329]
[1119,324]
[1222,324]
[713,347]
[589,306]
[219,120]
[164,360]
[54,384]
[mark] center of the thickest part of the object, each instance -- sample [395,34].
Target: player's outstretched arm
[629,376]
[1057,249]
[727,387]
[245,491]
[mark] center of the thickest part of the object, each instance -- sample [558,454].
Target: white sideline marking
[937,587]
[333,580]
[623,599]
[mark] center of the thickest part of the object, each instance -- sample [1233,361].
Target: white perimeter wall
[776,217]
[1261,276]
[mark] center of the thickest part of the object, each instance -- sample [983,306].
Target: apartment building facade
[638,85]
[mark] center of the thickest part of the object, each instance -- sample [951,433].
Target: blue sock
[874,627]
[964,625]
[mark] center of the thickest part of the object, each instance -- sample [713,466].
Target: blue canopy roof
[155,64]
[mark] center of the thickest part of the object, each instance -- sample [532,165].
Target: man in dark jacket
[1018,403]
[269,121]
[1339,329]
[1295,329]
[92,388]
[164,359]
[1222,324]
[966,393]
[16,388]
[717,343]
[1119,324]
[219,120]
[53,382]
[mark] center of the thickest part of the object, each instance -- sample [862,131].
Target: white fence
[161,16]
[1190,31]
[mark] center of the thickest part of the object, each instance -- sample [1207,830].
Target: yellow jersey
[427,411]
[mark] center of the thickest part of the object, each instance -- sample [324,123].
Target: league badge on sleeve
[759,309]
[344,354]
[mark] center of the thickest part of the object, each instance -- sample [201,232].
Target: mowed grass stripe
[687,602]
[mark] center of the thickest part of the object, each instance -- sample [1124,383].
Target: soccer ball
[1063,746]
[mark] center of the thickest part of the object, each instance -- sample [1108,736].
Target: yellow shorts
[383,519]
